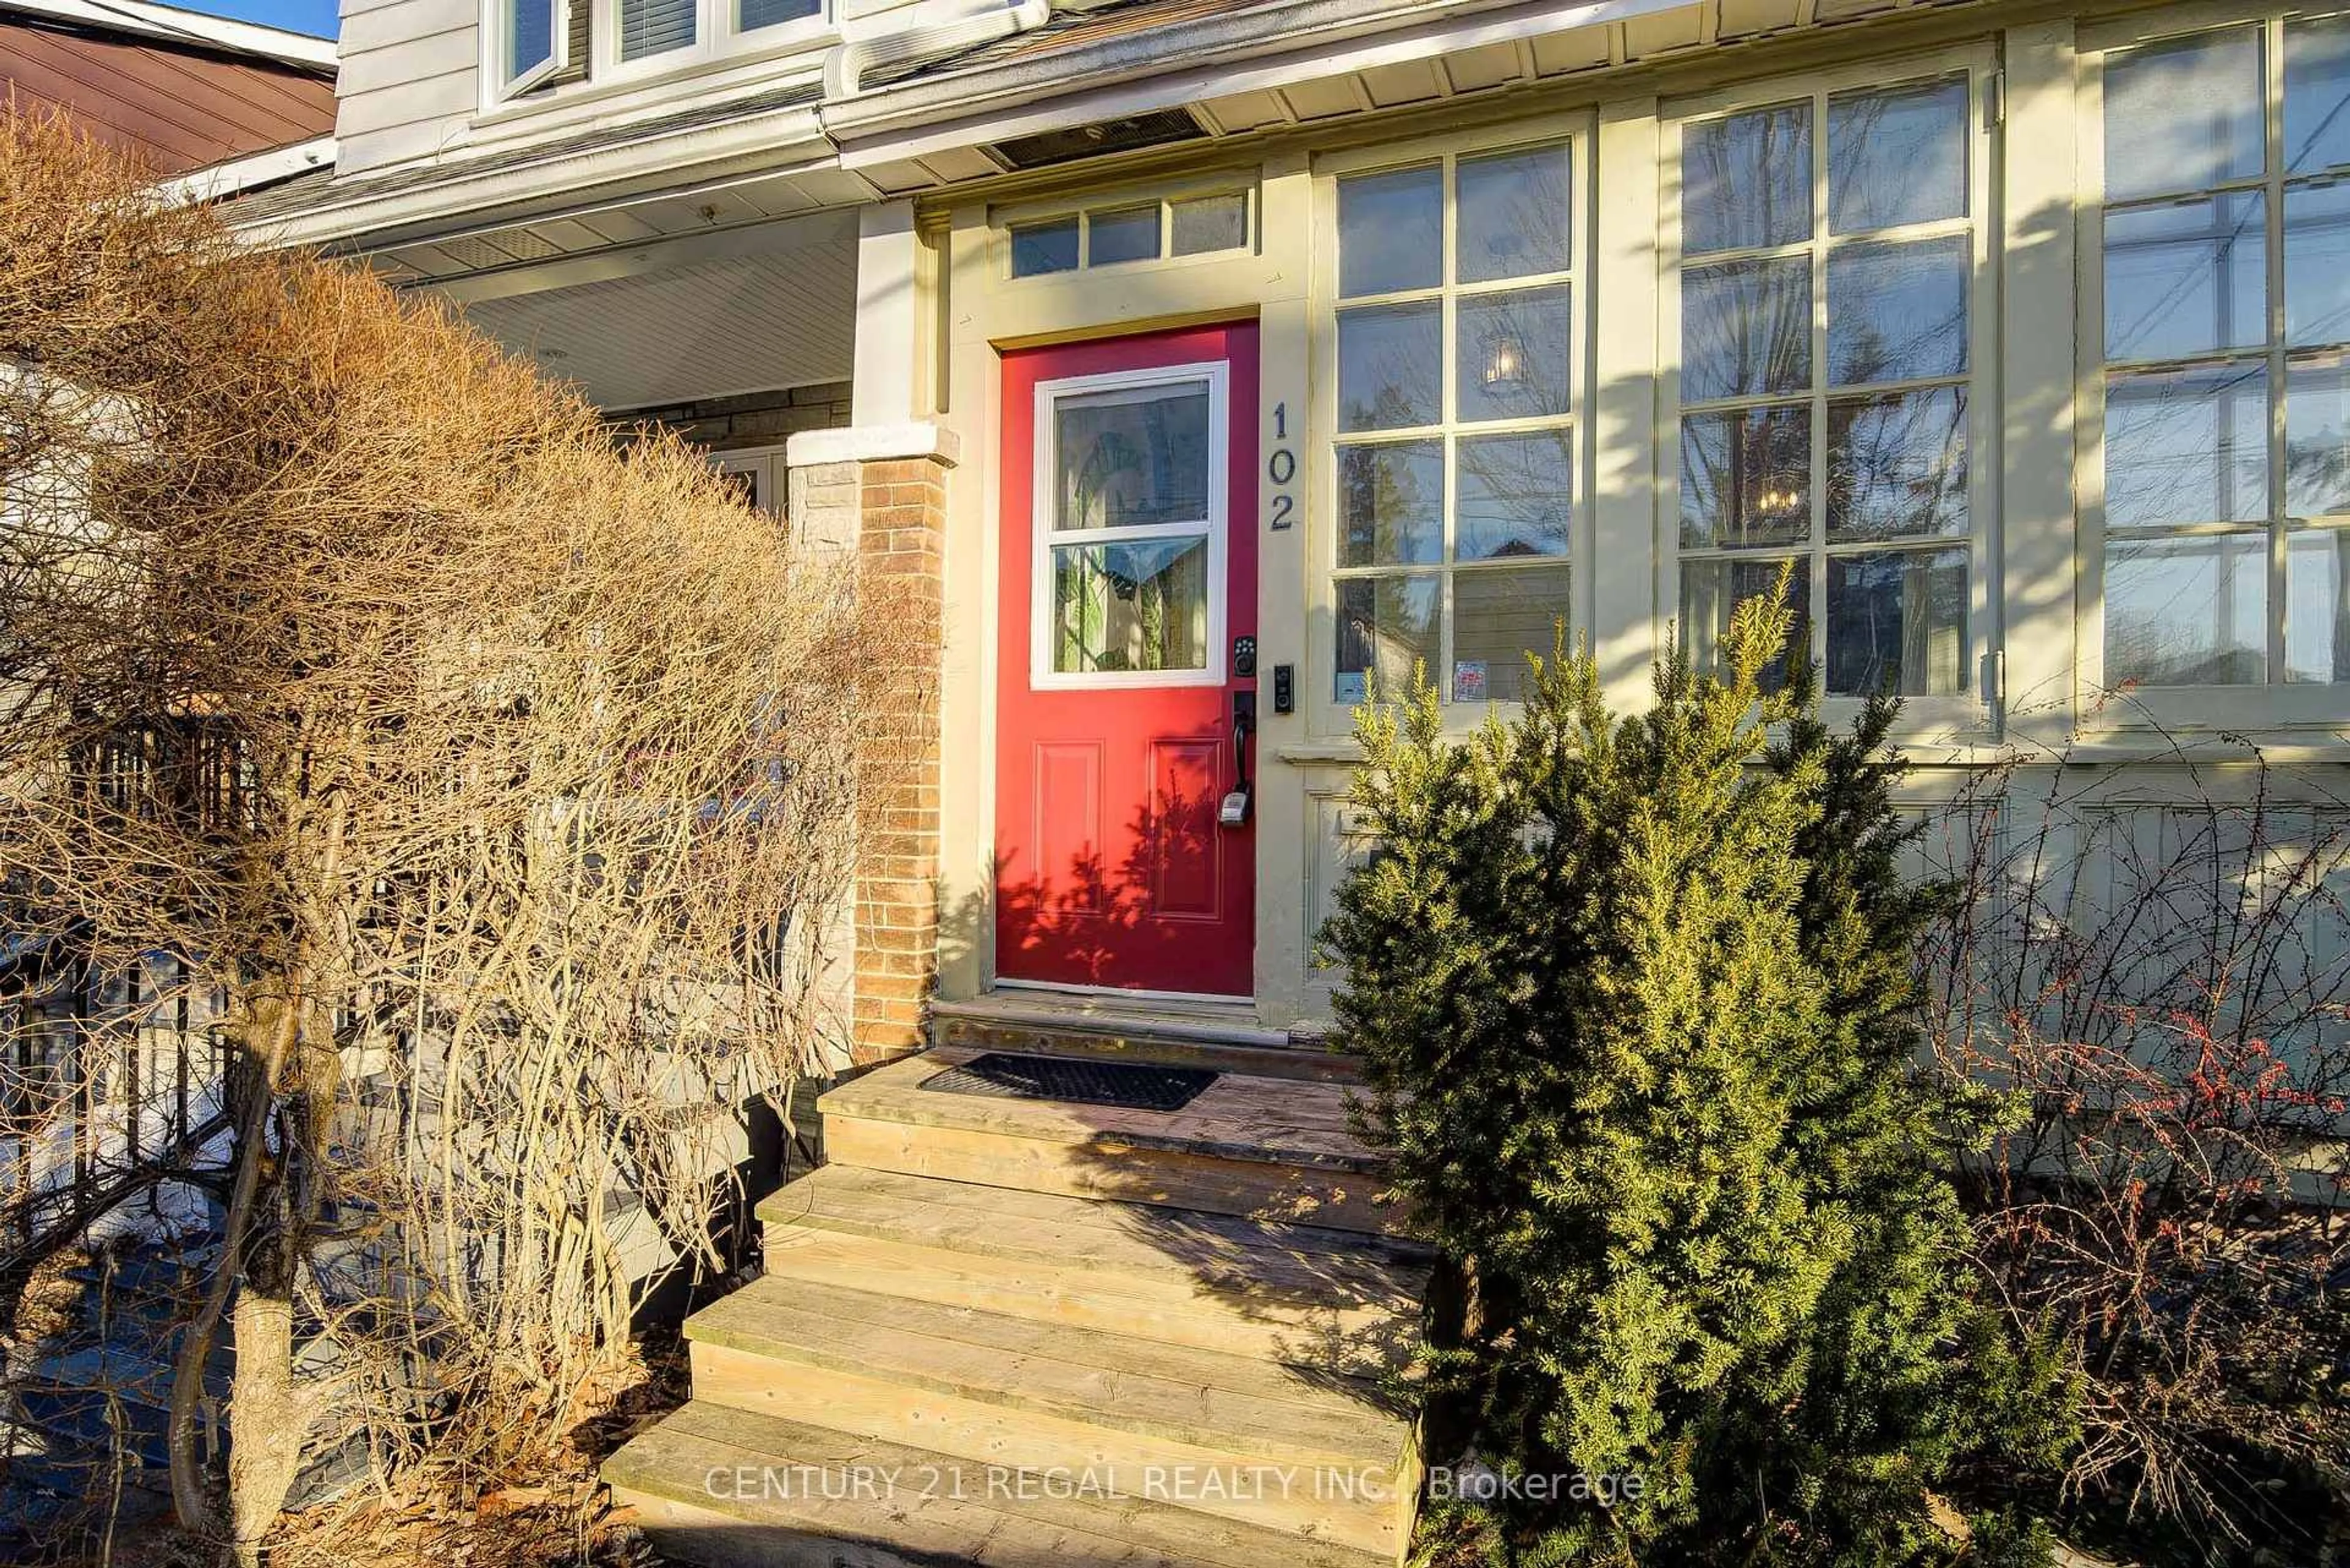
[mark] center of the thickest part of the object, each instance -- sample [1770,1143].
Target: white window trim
[1165,197]
[2271,706]
[1966,718]
[1216,374]
[497,47]
[1578,133]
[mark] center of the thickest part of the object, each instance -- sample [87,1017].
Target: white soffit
[700,329]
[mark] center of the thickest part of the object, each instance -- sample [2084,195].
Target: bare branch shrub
[2158,962]
[490,786]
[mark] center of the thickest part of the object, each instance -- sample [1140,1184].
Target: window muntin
[1131,495]
[1455,428]
[1828,415]
[2226,356]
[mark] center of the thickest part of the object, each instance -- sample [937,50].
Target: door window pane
[1046,247]
[2188,446]
[1127,607]
[2184,114]
[1392,231]
[1387,628]
[1746,476]
[1391,366]
[1129,460]
[1898,622]
[2318,604]
[1897,465]
[1897,312]
[1205,223]
[1514,495]
[1746,328]
[1499,618]
[1129,235]
[1511,354]
[2187,277]
[1711,591]
[1898,156]
[1746,181]
[1391,503]
[2316,93]
[2187,611]
[1511,215]
[2316,266]
[2317,440]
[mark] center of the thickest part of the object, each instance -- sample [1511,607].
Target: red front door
[1128,526]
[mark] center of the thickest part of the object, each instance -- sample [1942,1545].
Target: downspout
[846,66]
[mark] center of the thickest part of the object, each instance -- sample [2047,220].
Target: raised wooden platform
[1027,1333]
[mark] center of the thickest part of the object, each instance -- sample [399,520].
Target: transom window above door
[2225,271]
[1829,418]
[1132,488]
[1456,343]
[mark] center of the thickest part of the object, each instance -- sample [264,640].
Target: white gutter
[845,67]
[215,180]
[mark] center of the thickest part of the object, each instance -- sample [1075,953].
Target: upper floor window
[2225,274]
[1457,344]
[539,40]
[1828,411]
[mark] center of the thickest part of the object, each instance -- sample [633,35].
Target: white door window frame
[1216,375]
[1969,715]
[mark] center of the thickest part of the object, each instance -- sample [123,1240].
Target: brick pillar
[894,478]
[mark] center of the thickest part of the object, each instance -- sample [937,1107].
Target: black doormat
[1129,1086]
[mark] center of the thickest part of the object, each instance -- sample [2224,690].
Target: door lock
[1234,811]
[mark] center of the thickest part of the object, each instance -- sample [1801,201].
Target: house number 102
[1281,467]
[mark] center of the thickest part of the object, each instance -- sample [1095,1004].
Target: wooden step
[1057,1399]
[726,1488]
[1122,1034]
[1278,1150]
[1335,1301]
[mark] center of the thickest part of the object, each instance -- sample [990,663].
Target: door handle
[1234,811]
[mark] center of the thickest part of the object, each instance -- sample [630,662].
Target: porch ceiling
[782,316]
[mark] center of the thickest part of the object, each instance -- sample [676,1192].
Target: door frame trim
[1042,676]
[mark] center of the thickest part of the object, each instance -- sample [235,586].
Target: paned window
[1456,388]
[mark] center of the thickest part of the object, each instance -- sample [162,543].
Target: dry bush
[489,788]
[2161,972]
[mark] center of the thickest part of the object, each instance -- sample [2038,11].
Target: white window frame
[497,43]
[1963,717]
[1166,197]
[1216,375]
[716,39]
[2274,704]
[766,467]
[1578,134]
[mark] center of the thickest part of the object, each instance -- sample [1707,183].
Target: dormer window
[545,44]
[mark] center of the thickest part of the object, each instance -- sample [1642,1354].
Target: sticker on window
[1469,680]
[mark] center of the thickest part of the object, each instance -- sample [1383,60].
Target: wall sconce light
[1505,360]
